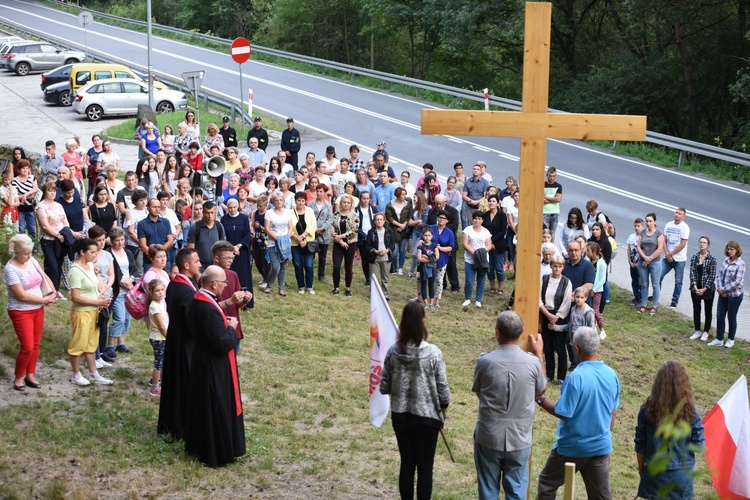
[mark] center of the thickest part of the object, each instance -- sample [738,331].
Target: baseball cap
[290,119]
[225,119]
[257,119]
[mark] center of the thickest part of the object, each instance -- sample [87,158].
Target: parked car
[121,96]
[39,56]
[10,39]
[81,74]
[5,50]
[59,93]
[57,75]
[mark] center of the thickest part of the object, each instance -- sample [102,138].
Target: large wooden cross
[533,125]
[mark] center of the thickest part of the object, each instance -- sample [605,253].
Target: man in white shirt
[340,178]
[676,234]
[410,190]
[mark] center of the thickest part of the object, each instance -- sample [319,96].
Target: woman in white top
[25,280]
[475,237]
[278,226]
[106,157]
[511,210]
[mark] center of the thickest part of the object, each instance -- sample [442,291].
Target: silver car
[39,56]
[121,96]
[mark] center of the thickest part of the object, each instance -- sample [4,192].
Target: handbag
[44,287]
[312,246]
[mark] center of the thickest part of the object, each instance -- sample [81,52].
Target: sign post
[193,80]
[250,103]
[85,18]
[241,53]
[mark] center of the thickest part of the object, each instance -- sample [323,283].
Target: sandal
[653,312]
[282,293]
[641,310]
[19,388]
[267,290]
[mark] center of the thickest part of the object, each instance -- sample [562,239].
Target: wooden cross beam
[533,125]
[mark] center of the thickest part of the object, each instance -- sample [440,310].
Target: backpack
[136,301]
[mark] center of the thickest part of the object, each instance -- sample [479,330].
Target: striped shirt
[29,279]
[24,187]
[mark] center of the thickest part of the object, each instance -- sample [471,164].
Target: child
[580,315]
[633,258]
[9,201]
[594,253]
[428,255]
[157,331]
[547,238]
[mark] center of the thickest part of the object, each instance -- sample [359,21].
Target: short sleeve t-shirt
[29,279]
[87,282]
[476,240]
[674,234]
[156,309]
[279,224]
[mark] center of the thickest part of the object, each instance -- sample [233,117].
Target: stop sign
[240,50]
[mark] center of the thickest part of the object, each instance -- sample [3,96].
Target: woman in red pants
[29,290]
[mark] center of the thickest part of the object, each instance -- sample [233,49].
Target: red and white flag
[382,336]
[727,431]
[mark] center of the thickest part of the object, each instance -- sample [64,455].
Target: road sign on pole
[85,19]
[250,103]
[240,50]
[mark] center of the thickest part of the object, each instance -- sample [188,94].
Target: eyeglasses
[220,281]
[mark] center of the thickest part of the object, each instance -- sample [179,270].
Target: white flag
[383,330]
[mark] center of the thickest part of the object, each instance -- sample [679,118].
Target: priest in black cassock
[178,352]
[215,432]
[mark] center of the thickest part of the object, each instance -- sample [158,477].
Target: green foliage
[7,231]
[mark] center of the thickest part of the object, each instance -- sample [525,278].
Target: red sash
[181,278]
[204,297]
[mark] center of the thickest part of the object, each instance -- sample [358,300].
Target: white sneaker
[478,304]
[79,379]
[729,344]
[696,335]
[465,305]
[704,337]
[98,379]
[100,363]
[400,272]
[602,335]
[716,342]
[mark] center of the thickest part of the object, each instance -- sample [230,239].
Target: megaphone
[215,166]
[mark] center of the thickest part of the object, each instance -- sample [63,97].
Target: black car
[59,93]
[61,74]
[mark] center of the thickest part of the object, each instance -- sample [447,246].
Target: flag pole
[447,446]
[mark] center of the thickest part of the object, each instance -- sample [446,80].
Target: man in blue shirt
[586,409]
[385,192]
[154,230]
[474,189]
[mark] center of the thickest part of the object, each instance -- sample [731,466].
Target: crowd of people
[173,222]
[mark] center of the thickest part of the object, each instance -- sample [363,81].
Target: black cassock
[237,231]
[178,354]
[215,431]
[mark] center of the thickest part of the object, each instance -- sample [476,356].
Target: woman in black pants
[414,375]
[554,308]
[259,237]
[344,229]
[702,287]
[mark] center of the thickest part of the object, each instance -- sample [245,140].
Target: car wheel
[22,69]
[65,98]
[94,112]
[164,107]
[72,61]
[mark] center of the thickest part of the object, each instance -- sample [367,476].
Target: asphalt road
[625,188]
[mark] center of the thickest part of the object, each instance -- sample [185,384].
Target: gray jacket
[416,381]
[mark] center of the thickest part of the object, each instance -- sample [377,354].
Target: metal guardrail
[684,146]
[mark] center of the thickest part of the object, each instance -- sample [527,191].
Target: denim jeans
[635,283]
[510,467]
[276,268]
[303,267]
[27,222]
[497,266]
[399,253]
[550,220]
[469,274]
[653,271]
[679,273]
[727,306]
[53,257]
[120,317]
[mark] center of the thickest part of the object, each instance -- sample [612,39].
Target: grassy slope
[303,371]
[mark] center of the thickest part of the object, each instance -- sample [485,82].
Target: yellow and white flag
[383,330]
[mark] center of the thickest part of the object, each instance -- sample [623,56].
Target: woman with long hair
[730,284]
[323,211]
[414,375]
[397,214]
[671,393]
[651,244]
[27,188]
[278,227]
[416,223]
[260,238]
[25,279]
[18,155]
[345,232]
[274,167]
[574,226]
[702,287]
[496,223]
[102,212]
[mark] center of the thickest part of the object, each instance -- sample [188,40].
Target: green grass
[303,368]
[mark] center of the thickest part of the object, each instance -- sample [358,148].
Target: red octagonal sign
[240,50]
